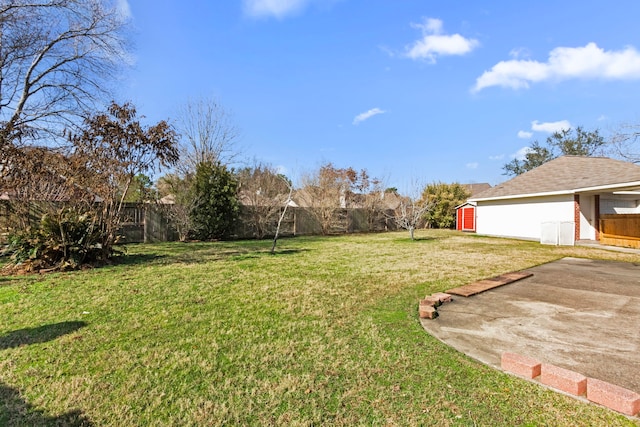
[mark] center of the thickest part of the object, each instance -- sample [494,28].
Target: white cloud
[367,115]
[588,62]
[276,8]
[550,127]
[524,135]
[473,165]
[497,157]
[434,43]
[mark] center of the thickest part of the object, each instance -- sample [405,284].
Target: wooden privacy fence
[620,230]
[141,223]
[146,223]
[151,222]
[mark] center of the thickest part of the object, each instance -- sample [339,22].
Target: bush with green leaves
[62,240]
[216,208]
[443,198]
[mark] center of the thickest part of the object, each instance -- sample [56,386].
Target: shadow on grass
[137,259]
[418,239]
[288,251]
[205,253]
[14,410]
[28,336]
[240,254]
[5,280]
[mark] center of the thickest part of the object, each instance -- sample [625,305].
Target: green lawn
[325,332]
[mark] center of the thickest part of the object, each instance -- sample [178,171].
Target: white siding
[522,218]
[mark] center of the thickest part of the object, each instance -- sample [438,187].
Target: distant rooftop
[477,188]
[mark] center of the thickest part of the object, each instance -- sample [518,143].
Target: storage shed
[466,217]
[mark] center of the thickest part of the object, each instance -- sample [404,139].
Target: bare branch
[56,58]
[626,142]
[208,135]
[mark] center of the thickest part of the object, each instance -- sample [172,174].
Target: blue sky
[407,89]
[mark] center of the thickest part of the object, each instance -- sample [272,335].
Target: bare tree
[370,198]
[208,135]
[325,193]
[411,210]
[329,191]
[626,142]
[282,215]
[56,57]
[178,201]
[263,192]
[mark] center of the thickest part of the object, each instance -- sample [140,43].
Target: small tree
[111,150]
[282,215]
[179,202]
[410,211]
[443,199]
[574,142]
[328,191]
[322,194]
[263,192]
[216,208]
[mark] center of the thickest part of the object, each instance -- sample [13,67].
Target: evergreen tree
[216,209]
[443,199]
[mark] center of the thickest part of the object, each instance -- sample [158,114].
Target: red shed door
[469,219]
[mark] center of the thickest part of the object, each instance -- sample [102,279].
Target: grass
[325,332]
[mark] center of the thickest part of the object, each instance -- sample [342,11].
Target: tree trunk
[284,211]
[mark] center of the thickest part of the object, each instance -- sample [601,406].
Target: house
[561,201]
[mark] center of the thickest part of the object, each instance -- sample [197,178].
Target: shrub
[216,208]
[63,240]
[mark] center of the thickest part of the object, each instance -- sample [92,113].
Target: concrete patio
[578,314]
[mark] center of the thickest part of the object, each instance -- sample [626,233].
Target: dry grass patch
[325,332]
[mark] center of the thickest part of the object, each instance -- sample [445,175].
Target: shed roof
[567,174]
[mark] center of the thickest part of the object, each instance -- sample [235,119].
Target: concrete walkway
[579,314]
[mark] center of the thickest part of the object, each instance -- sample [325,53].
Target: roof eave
[615,187]
[522,196]
[609,187]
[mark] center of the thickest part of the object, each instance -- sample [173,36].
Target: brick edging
[597,391]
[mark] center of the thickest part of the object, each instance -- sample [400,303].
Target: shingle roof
[566,174]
